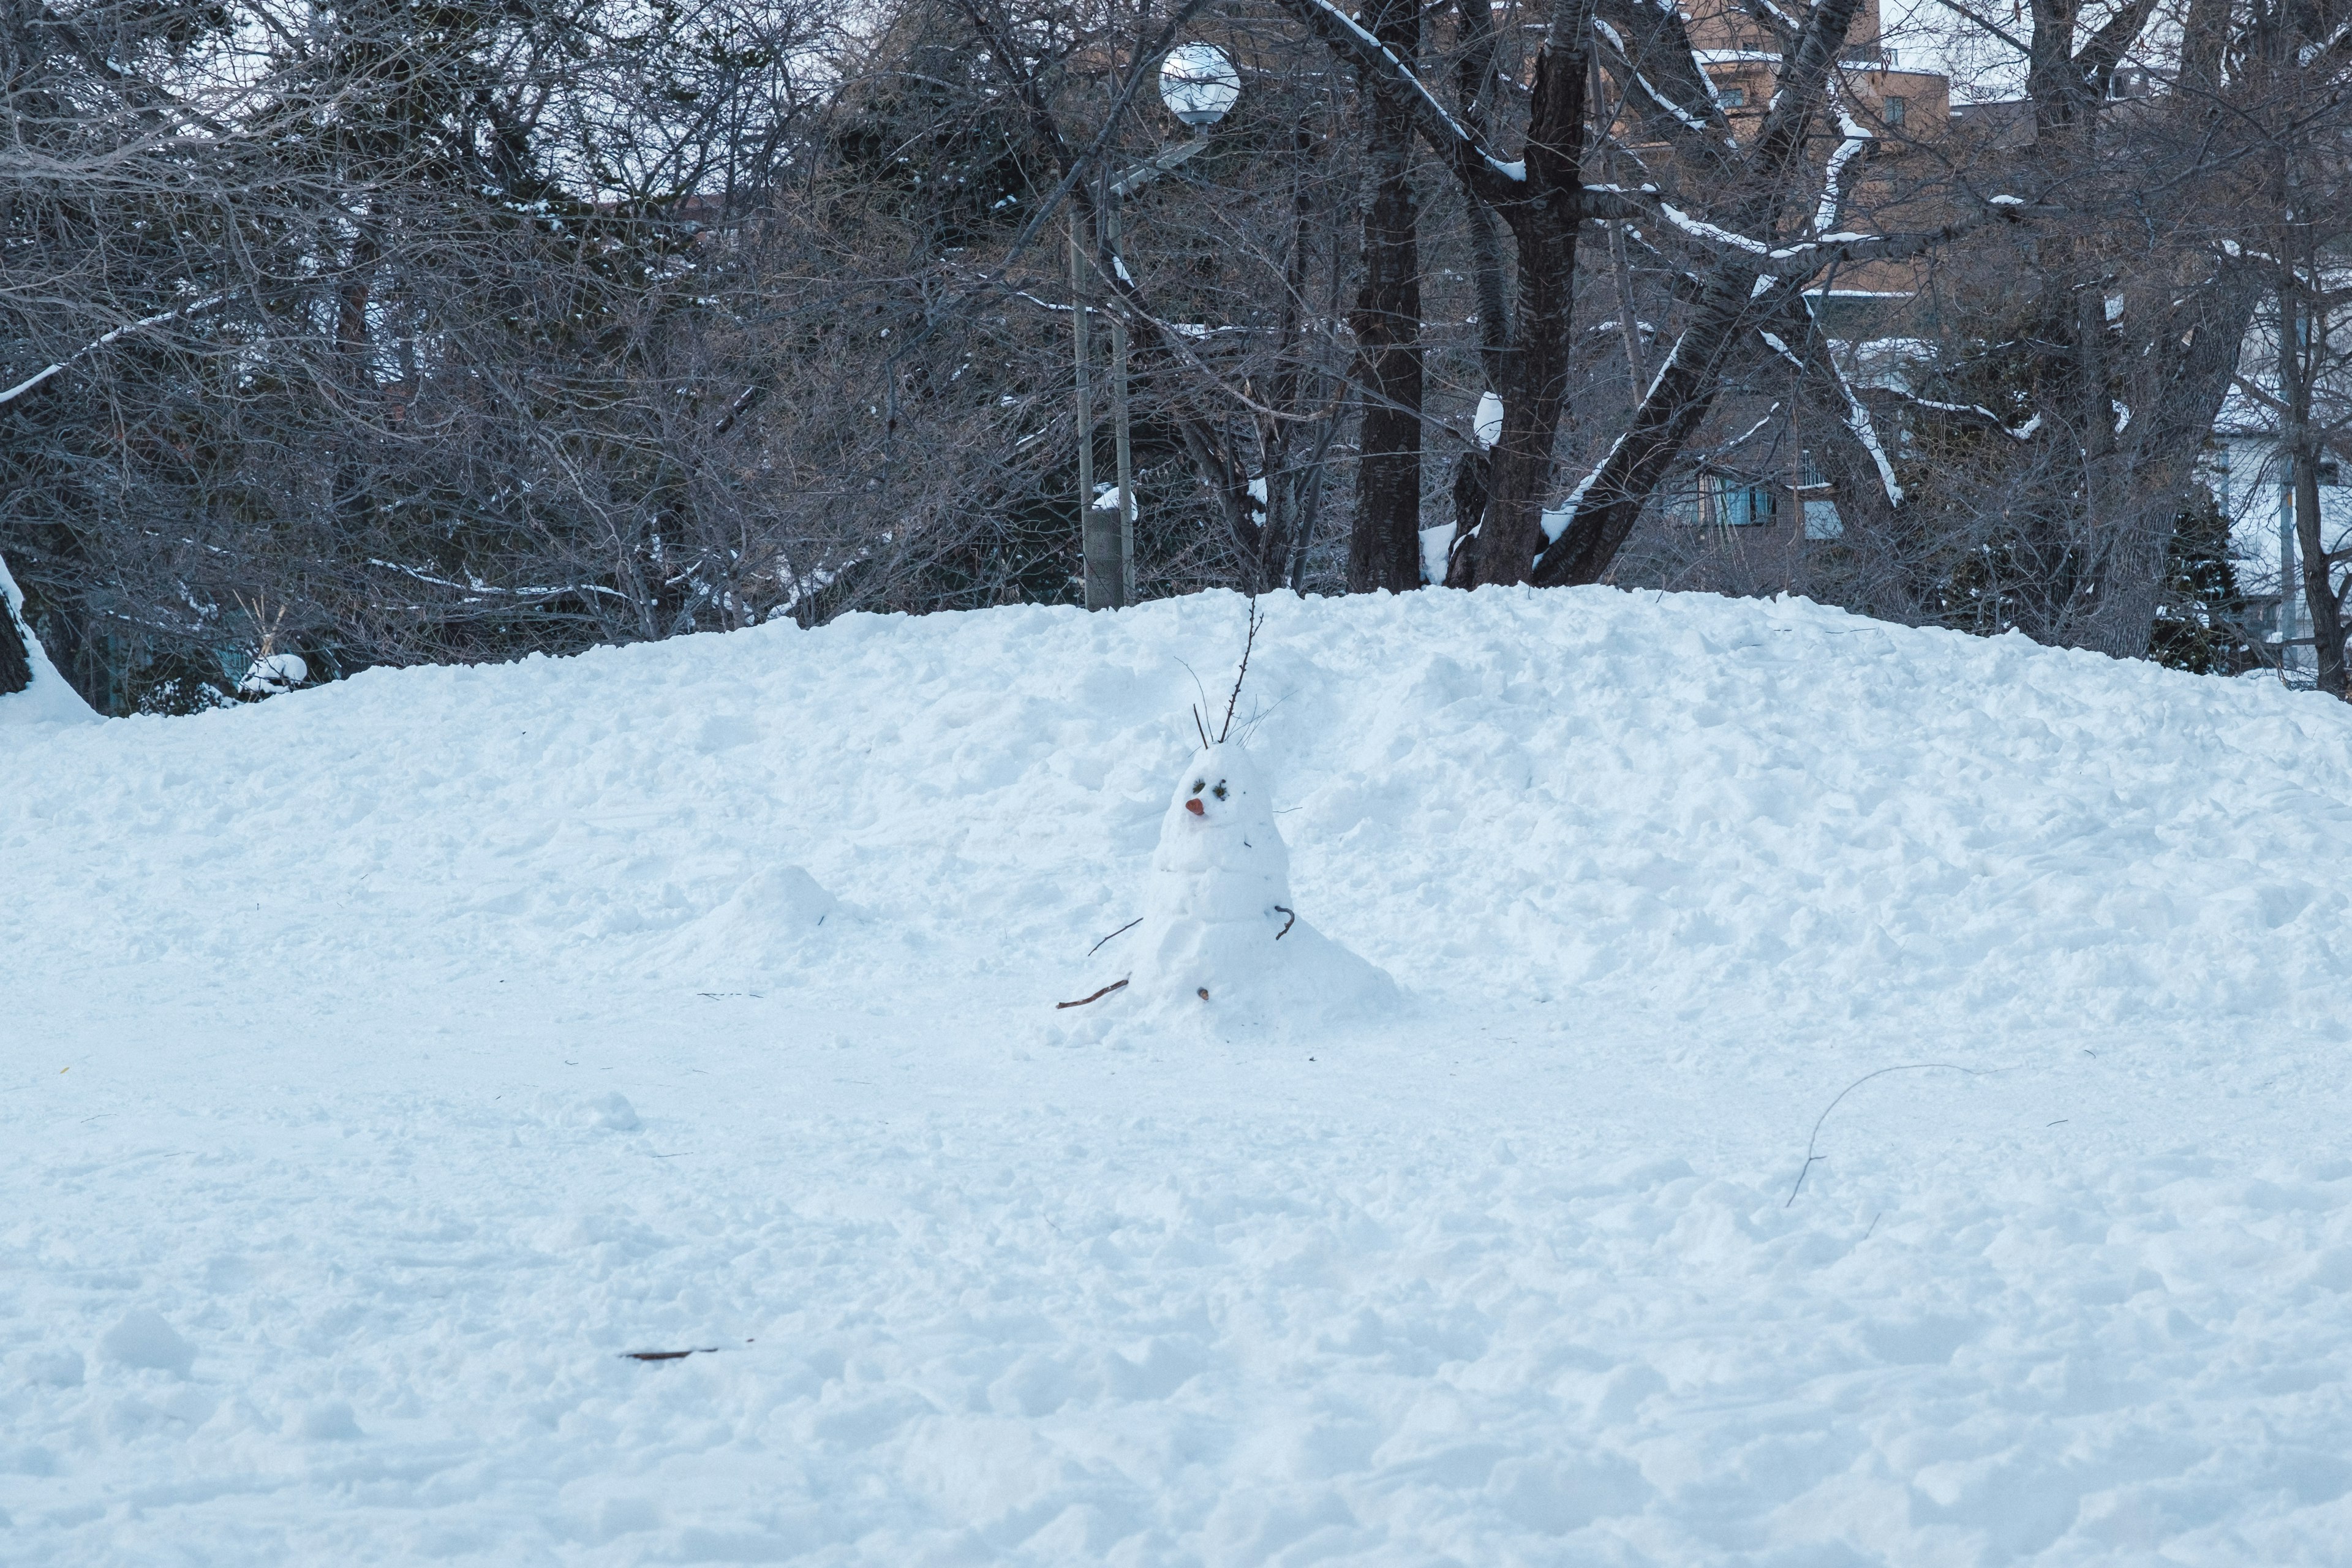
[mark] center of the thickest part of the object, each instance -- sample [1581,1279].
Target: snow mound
[1758,811]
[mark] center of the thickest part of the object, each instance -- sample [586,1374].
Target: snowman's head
[1219,791]
[1219,826]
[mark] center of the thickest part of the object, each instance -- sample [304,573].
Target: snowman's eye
[1200,785]
[1220,791]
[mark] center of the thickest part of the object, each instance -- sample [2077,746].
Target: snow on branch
[1970,410]
[1807,69]
[1853,247]
[476,585]
[1857,137]
[1620,204]
[2309,53]
[1772,16]
[1773,342]
[1699,228]
[1749,434]
[1857,418]
[1624,57]
[38,377]
[2236,252]
[1435,120]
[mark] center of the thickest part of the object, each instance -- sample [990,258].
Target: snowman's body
[1219,939]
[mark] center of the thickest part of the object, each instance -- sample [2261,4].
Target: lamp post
[1199,84]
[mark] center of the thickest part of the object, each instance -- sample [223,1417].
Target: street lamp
[1199,84]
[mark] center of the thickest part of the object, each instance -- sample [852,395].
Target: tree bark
[1474,75]
[1384,546]
[15,659]
[1544,224]
[2318,593]
[2300,348]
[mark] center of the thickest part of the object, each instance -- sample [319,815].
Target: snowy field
[381,1065]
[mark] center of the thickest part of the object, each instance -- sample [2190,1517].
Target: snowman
[1219,941]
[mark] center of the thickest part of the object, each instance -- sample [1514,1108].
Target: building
[2249,478]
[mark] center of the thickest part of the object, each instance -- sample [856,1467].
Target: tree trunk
[2300,347]
[1601,514]
[2175,394]
[15,659]
[1536,383]
[2318,593]
[1384,547]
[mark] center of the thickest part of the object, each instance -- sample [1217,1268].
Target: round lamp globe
[1197,82]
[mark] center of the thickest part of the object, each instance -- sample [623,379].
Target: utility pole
[1097,541]
[1118,422]
[1197,82]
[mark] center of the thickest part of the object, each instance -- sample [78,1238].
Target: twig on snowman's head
[1256,619]
[1198,722]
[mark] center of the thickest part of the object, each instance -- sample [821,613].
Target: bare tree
[1384,547]
[492,330]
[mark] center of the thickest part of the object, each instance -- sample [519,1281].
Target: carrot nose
[1194,806]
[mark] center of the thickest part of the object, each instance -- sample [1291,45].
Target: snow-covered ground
[380,1064]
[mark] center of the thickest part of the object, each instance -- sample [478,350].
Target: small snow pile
[142,1339]
[783,898]
[1220,942]
[607,1113]
[48,700]
[275,674]
[331,1422]
[760,931]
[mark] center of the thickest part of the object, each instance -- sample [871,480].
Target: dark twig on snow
[1811,1158]
[1286,924]
[1098,947]
[1256,619]
[669,1355]
[1096,997]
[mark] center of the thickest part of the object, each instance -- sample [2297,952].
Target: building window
[1741,505]
[1731,97]
[1896,109]
[2329,474]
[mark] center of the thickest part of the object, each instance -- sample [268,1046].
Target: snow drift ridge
[1656,802]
